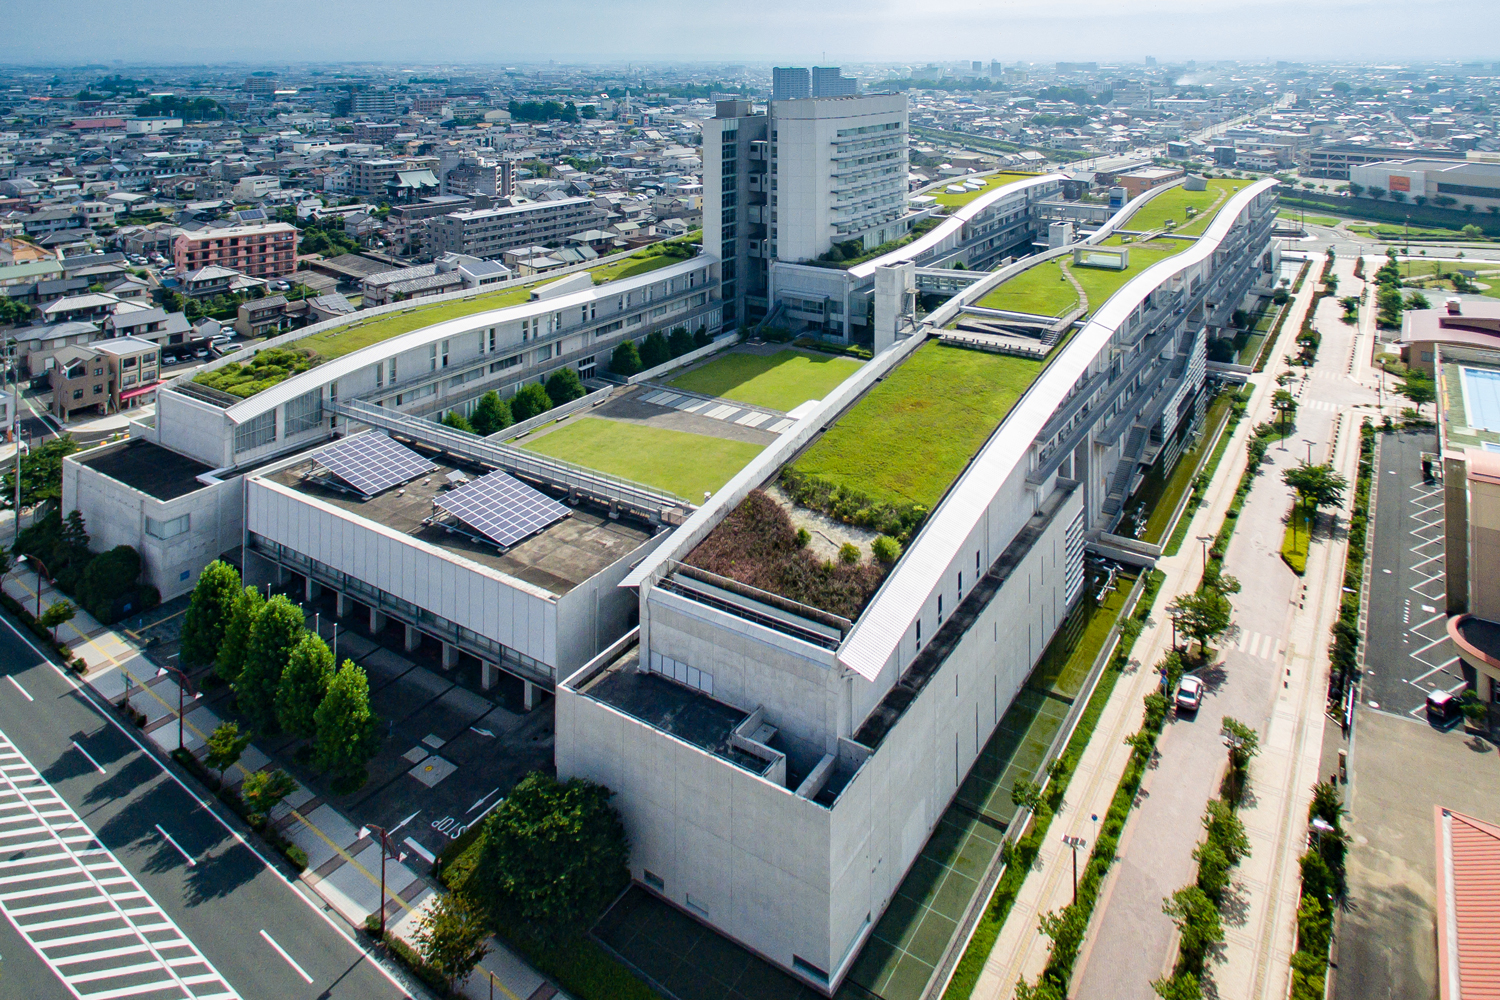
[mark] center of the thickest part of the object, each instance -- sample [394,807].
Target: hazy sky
[507,31]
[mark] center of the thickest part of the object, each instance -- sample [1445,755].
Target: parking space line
[90,759]
[188,857]
[18,687]
[289,959]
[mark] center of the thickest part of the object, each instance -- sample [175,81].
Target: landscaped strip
[1343,652]
[1239,401]
[1022,856]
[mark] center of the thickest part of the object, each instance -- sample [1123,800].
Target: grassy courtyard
[1043,290]
[990,183]
[1099,283]
[1173,205]
[678,462]
[781,381]
[907,439]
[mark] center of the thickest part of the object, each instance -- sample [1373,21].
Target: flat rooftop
[557,558]
[1468,390]
[148,467]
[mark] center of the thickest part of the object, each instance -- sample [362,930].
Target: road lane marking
[20,688]
[95,701]
[405,821]
[422,852]
[65,861]
[482,801]
[185,854]
[91,760]
[289,960]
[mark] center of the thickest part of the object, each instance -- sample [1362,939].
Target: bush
[457,421]
[887,549]
[848,553]
[531,401]
[803,537]
[701,337]
[108,589]
[757,545]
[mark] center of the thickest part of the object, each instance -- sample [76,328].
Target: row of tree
[283,676]
[493,414]
[657,349]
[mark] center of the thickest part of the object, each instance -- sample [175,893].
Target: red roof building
[1468,902]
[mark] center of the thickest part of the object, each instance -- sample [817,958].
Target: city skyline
[777,31]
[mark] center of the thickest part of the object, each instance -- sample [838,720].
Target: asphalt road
[1407,651]
[261,935]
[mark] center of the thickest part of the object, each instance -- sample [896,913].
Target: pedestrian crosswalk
[80,910]
[714,409]
[1263,647]
[1320,404]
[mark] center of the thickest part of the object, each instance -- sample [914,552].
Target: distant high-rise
[790,83]
[829,81]
[977,66]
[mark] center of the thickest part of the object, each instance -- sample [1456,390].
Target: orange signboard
[1400,183]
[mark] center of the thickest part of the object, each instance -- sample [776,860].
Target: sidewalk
[1021,950]
[343,868]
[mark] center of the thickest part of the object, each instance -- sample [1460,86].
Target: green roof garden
[958,200]
[1172,206]
[360,332]
[1043,290]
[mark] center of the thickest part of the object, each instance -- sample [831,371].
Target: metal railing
[653,504]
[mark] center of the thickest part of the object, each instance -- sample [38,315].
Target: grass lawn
[907,439]
[633,265]
[781,381]
[1173,205]
[1042,290]
[347,339]
[681,463]
[990,183]
[1099,283]
[1294,542]
[1316,220]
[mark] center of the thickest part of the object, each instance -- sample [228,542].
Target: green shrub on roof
[265,369]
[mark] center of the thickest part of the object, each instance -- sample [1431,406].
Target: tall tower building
[795,179]
[829,81]
[790,83]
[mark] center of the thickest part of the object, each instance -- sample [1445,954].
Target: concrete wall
[507,610]
[1484,547]
[739,852]
[598,611]
[114,514]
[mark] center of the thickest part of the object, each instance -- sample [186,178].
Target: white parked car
[1189,694]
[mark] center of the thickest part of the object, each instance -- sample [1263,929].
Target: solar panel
[372,462]
[503,509]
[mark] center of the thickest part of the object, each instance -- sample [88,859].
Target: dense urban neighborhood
[544,530]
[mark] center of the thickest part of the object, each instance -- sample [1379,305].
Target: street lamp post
[1205,539]
[1075,843]
[182,685]
[1309,450]
[364,832]
[41,568]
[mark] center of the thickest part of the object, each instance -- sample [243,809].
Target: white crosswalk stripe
[81,911]
[1263,647]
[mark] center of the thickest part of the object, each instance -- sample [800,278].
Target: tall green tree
[680,342]
[1197,920]
[262,790]
[303,685]
[491,414]
[625,360]
[56,614]
[553,855]
[654,350]
[1419,389]
[1316,486]
[563,386]
[1203,614]
[277,630]
[209,612]
[529,402]
[242,615]
[346,737]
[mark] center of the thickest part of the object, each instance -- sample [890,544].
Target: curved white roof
[878,633]
[950,225]
[298,385]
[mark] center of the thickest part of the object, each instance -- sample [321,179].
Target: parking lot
[1407,650]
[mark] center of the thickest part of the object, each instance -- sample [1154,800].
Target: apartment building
[492,231]
[368,178]
[103,377]
[261,251]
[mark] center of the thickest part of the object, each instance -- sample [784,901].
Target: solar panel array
[502,508]
[372,462]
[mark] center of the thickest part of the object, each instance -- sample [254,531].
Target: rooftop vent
[1455,307]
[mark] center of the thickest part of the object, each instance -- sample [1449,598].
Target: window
[432,358]
[445,354]
[127,380]
[940,609]
[303,413]
[492,338]
[98,372]
[255,433]
[127,362]
[379,374]
[544,353]
[525,330]
[77,393]
[167,529]
[393,371]
[586,367]
[98,390]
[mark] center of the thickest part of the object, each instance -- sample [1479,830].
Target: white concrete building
[1441,183]
[779,767]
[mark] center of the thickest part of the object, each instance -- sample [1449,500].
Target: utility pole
[15,435]
[1075,843]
